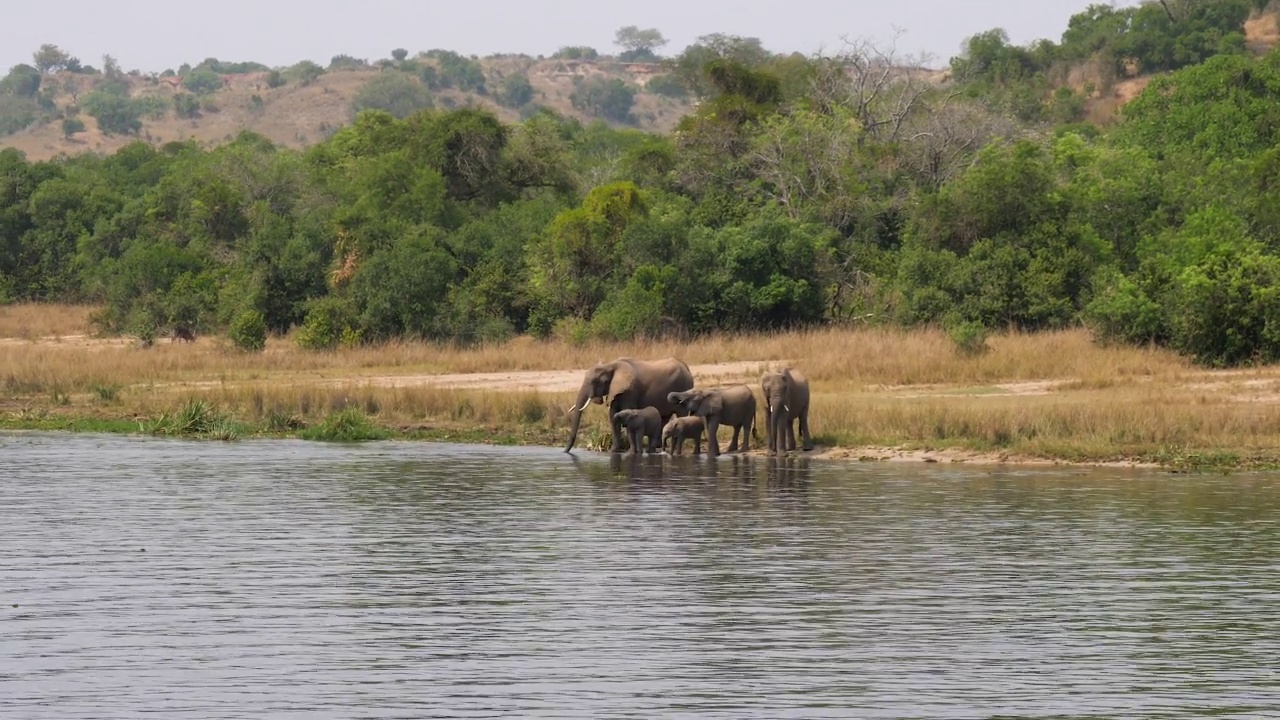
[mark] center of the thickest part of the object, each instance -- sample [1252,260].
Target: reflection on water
[283,579]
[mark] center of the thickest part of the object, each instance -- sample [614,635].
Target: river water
[264,579]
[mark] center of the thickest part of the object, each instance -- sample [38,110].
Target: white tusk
[770,408]
[784,407]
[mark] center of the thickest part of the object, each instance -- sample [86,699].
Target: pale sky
[151,35]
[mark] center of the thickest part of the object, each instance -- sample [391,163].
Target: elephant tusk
[771,408]
[788,409]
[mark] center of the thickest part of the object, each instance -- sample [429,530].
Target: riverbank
[878,394]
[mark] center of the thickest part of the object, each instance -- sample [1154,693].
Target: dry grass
[37,320]
[1054,395]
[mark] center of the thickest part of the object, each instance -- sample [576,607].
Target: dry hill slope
[297,116]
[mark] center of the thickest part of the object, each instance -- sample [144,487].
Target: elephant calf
[732,405]
[646,423]
[678,429]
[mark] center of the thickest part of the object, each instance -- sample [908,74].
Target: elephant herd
[655,403]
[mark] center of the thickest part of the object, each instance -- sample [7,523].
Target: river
[282,579]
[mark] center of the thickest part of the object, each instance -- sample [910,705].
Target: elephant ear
[623,376]
[712,404]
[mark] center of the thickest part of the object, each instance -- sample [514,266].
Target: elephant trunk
[575,414]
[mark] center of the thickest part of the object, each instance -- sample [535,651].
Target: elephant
[627,383]
[732,405]
[678,429]
[646,423]
[786,399]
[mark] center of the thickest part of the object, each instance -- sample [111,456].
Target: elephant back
[663,376]
[739,403]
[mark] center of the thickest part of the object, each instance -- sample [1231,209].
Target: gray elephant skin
[732,405]
[629,384]
[644,423]
[786,400]
[679,429]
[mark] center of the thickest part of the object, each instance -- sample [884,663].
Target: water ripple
[287,579]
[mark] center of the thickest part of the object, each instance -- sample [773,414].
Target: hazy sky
[151,35]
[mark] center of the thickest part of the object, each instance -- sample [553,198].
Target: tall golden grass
[1051,394]
[30,321]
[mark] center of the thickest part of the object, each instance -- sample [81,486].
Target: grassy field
[877,393]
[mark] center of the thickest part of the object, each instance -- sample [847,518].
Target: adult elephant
[627,384]
[732,405]
[786,400]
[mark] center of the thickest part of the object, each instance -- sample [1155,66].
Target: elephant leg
[713,442]
[733,444]
[746,434]
[635,442]
[617,436]
[804,431]
[769,433]
[697,444]
[791,434]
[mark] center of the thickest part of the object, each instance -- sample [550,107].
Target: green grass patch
[346,425]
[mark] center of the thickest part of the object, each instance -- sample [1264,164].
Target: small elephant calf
[678,429]
[646,422]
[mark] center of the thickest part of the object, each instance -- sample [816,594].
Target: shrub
[328,318]
[71,126]
[249,331]
[969,338]
[345,425]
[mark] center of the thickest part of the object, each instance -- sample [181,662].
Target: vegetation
[1052,394]
[802,192]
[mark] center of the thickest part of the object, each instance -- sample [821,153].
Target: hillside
[1261,34]
[296,115]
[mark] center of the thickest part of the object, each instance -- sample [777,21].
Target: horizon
[147,35]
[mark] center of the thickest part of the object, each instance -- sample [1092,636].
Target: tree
[610,99]
[638,45]
[115,115]
[515,90]
[202,82]
[305,72]
[399,54]
[50,58]
[186,105]
[71,126]
[22,81]
[111,68]
[689,66]
[880,89]
[395,92]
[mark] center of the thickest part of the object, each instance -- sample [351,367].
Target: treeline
[801,192]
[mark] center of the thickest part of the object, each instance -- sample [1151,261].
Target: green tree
[393,92]
[71,126]
[186,105]
[610,99]
[50,58]
[304,73]
[515,90]
[115,115]
[202,82]
[399,54]
[638,45]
